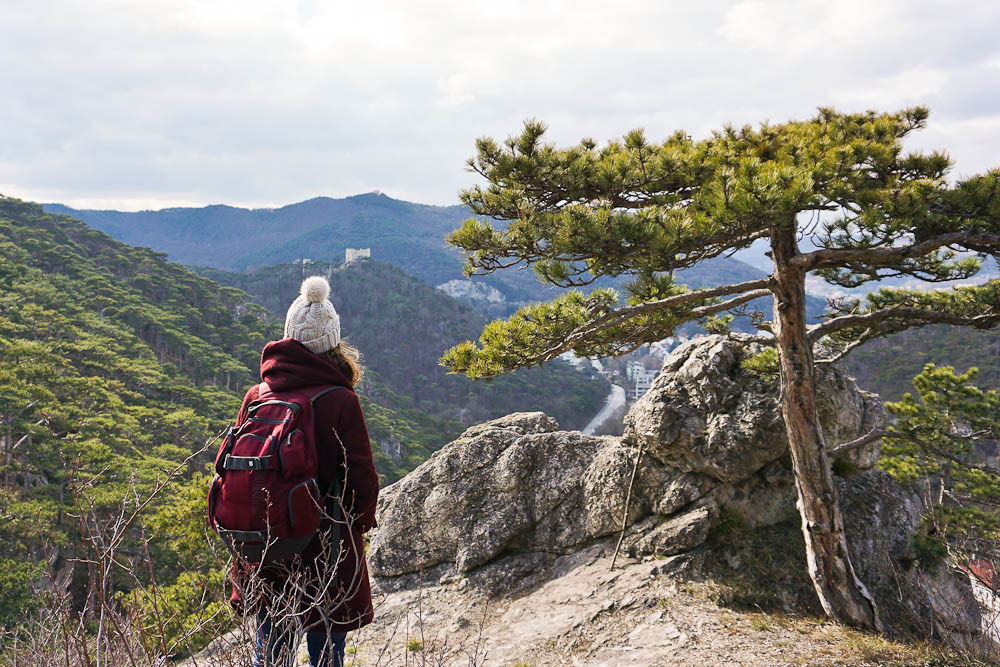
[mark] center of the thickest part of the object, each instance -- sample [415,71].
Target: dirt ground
[587,615]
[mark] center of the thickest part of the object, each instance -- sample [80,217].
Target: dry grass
[869,649]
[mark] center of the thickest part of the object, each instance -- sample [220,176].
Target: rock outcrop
[496,507]
[880,519]
[704,414]
[511,485]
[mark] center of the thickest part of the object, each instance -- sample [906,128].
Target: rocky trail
[645,612]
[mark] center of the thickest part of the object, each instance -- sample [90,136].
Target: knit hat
[312,319]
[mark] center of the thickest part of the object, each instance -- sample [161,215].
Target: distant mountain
[407,235]
[404,234]
[322,226]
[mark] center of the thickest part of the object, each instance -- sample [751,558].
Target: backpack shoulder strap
[327,390]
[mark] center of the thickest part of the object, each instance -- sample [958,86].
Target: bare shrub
[127,619]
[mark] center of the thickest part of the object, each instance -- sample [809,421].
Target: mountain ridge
[406,234]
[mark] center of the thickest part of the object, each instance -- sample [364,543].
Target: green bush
[18,579]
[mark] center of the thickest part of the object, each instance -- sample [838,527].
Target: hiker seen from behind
[296,489]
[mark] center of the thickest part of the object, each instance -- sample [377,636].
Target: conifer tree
[834,196]
[941,438]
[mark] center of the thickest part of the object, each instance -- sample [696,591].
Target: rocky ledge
[496,508]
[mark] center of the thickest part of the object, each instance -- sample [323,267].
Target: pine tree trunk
[841,593]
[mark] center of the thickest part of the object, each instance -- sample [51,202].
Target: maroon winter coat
[288,364]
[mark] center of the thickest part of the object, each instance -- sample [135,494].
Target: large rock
[713,437]
[704,414]
[914,598]
[512,484]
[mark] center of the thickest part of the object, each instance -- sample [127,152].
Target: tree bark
[840,592]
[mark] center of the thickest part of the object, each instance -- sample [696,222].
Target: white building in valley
[352,254]
[639,380]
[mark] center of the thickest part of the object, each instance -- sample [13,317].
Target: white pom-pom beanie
[312,319]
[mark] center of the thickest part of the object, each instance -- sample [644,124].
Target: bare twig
[628,498]
[871,436]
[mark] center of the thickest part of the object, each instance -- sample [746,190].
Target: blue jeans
[325,649]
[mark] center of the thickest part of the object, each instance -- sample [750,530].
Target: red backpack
[265,502]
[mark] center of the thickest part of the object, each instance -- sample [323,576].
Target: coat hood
[287,364]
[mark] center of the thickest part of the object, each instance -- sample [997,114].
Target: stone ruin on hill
[497,506]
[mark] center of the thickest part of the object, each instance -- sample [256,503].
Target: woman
[323,593]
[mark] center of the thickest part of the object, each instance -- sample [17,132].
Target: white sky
[136,104]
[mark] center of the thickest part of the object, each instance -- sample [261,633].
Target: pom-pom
[315,289]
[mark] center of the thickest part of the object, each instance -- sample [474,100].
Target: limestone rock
[679,490]
[763,499]
[713,437]
[705,415]
[496,508]
[517,422]
[392,447]
[512,484]
[674,535]
[846,413]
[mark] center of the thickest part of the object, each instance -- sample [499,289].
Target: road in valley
[614,402]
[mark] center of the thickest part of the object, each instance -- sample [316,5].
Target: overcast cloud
[126,104]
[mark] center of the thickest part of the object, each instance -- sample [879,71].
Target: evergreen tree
[945,436]
[843,182]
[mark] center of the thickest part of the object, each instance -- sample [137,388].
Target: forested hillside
[115,366]
[402,326]
[887,366]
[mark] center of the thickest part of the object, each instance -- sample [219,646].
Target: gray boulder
[914,598]
[713,438]
[676,534]
[512,484]
[705,414]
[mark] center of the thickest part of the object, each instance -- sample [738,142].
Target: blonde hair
[347,358]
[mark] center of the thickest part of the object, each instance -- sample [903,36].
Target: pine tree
[942,437]
[843,182]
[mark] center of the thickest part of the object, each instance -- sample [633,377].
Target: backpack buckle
[248,462]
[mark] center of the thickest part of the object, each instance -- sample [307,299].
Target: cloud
[261,103]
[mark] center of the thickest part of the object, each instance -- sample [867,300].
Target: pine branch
[759,288]
[502,253]
[722,306]
[876,434]
[618,316]
[896,319]
[937,451]
[835,257]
